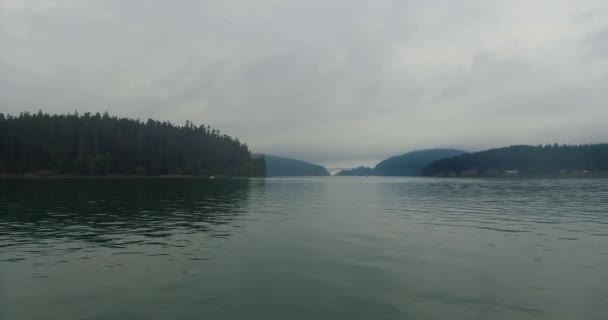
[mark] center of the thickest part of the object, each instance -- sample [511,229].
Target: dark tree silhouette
[95,144]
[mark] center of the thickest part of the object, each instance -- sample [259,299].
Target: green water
[303,248]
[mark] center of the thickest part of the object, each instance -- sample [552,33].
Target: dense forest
[525,160]
[279,166]
[95,144]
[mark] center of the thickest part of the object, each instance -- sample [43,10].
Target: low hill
[281,167]
[412,163]
[357,172]
[525,160]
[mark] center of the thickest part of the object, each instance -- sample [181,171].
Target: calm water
[304,248]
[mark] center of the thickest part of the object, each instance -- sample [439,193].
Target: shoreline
[113,176]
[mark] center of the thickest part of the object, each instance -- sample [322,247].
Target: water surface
[303,248]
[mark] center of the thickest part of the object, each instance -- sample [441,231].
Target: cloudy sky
[338,82]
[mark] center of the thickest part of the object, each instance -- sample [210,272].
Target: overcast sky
[340,83]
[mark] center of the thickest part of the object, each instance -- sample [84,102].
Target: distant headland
[549,160]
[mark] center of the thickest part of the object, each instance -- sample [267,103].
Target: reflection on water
[304,248]
[38,215]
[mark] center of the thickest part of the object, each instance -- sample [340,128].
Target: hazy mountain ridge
[407,164]
[356,172]
[281,167]
[412,163]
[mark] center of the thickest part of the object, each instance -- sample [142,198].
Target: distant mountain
[279,166]
[554,159]
[360,171]
[408,164]
[412,163]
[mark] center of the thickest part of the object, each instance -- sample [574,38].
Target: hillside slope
[525,160]
[412,163]
[356,172]
[280,167]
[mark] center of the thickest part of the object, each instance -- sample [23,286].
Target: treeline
[95,144]
[525,160]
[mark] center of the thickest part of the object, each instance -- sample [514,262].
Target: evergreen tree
[101,144]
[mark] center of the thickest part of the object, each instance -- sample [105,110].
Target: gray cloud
[337,82]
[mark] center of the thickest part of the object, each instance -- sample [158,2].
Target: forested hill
[407,164]
[412,163]
[95,144]
[526,160]
[356,172]
[279,166]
